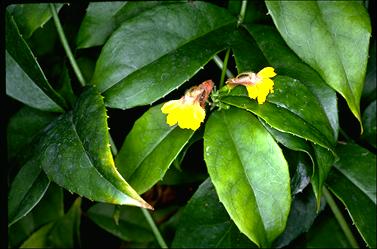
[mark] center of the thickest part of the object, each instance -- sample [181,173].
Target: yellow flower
[188,111]
[258,85]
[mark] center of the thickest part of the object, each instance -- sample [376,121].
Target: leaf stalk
[339,217]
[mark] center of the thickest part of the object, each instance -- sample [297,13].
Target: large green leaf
[332,37]
[61,233]
[23,127]
[286,62]
[149,149]
[26,191]
[50,208]
[369,121]
[158,50]
[132,225]
[289,109]
[249,173]
[204,223]
[353,181]
[30,17]
[25,80]
[98,23]
[74,152]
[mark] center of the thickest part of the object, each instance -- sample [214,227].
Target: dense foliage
[233,124]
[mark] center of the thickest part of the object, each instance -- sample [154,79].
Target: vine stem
[242,12]
[65,44]
[114,150]
[339,217]
[220,64]
[224,68]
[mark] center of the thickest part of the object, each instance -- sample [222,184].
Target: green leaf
[324,160]
[65,89]
[301,217]
[58,234]
[38,239]
[66,231]
[158,50]
[249,173]
[132,9]
[353,181]
[98,23]
[74,152]
[255,11]
[332,37]
[30,17]
[300,169]
[286,62]
[149,149]
[25,80]
[26,191]
[369,121]
[289,109]
[50,208]
[23,127]
[204,223]
[132,224]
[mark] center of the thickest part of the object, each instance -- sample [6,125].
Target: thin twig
[224,68]
[339,217]
[65,44]
[241,17]
[220,64]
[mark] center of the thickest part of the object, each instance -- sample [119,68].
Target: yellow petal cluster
[264,85]
[188,114]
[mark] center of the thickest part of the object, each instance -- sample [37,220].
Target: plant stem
[65,44]
[339,217]
[220,63]
[242,12]
[157,234]
[146,214]
[224,68]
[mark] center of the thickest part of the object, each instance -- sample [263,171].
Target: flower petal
[266,72]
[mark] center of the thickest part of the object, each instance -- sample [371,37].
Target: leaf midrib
[245,174]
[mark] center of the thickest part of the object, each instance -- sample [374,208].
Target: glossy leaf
[167,49]
[204,223]
[300,168]
[49,209]
[249,173]
[74,152]
[30,17]
[369,121]
[149,149]
[23,127]
[324,160]
[132,224]
[353,181]
[286,62]
[301,217]
[98,23]
[25,80]
[332,37]
[24,195]
[289,109]
[58,234]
